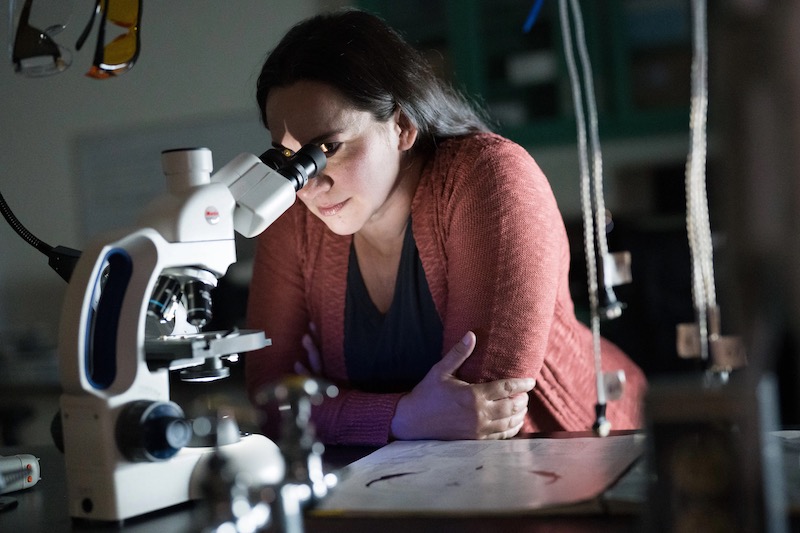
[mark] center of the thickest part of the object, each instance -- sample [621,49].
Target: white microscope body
[124,440]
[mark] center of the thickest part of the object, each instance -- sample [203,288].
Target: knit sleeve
[506,251]
[500,267]
[276,303]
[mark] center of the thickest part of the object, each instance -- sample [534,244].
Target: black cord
[17,226]
[61,259]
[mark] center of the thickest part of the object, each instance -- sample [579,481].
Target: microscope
[134,311]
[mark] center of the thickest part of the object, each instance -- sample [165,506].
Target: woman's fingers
[507,407]
[505,388]
[314,359]
[501,428]
[442,406]
[459,353]
[506,428]
[301,370]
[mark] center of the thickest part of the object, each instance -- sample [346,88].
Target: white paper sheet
[509,476]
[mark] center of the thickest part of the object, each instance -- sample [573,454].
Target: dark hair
[372,66]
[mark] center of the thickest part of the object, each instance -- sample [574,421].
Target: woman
[425,271]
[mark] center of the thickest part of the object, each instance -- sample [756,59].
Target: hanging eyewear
[35,52]
[117,47]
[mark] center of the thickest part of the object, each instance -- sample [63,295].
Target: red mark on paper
[551,477]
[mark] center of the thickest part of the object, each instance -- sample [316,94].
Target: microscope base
[133,489]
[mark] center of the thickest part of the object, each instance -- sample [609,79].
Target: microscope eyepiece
[273,158]
[306,163]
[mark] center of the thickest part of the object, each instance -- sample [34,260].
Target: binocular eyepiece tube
[307,161]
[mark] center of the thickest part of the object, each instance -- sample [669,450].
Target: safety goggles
[35,53]
[117,47]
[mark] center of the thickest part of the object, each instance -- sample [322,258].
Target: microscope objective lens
[198,302]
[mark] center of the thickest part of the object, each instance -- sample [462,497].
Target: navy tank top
[391,352]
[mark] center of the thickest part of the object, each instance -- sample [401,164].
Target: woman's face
[356,188]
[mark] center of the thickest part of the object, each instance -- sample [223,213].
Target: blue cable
[532,16]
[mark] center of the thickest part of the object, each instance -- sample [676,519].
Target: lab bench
[43,509]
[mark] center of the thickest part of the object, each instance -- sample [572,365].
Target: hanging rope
[592,204]
[698,226]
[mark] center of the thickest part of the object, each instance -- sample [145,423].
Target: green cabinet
[640,52]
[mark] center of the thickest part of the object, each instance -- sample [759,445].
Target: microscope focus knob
[152,431]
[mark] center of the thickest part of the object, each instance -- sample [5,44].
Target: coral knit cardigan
[495,252]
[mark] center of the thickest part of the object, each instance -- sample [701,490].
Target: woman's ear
[407,129]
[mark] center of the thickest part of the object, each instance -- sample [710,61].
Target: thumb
[459,353]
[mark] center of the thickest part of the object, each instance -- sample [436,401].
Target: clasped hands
[443,407]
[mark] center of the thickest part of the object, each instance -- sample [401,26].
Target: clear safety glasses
[117,44]
[35,53]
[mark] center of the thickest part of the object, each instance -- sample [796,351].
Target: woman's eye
[329,148]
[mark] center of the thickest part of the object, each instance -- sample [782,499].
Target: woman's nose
[315,186]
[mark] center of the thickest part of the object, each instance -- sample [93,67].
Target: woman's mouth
[330,210]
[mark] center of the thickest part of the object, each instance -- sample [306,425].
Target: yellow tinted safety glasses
[118,43]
